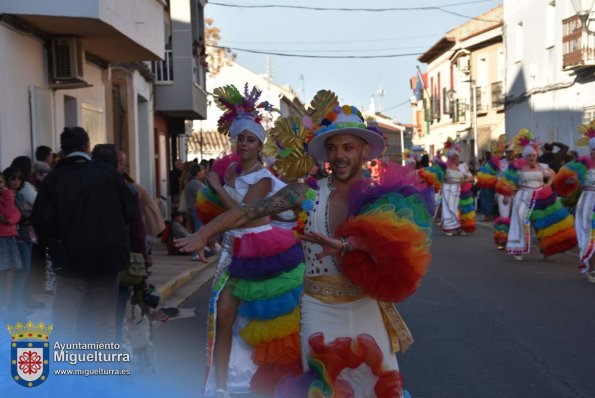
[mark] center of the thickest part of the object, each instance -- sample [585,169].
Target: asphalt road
[484,326]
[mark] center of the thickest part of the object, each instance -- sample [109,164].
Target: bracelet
[344,246]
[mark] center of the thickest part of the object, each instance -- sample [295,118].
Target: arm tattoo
[288,198]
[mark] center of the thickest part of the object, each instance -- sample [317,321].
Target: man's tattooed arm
[288,198]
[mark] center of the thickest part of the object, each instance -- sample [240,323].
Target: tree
[217,57]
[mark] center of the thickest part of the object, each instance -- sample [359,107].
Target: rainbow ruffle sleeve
[208,205]
[552,222]
[507,184]
[570,178]
[433,175]
[394,223]
[487,176]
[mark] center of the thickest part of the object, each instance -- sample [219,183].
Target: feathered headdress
[286,143]
[525,141]
[587,131]
[237,107]
[452,147]
[499,146]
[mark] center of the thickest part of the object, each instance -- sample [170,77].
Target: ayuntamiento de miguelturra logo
[30,353]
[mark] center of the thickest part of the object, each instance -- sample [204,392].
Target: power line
[317,56]
[337,41]
[396,106]
[342,50]
[309,8]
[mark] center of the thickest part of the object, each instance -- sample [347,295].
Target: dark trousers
[85,307]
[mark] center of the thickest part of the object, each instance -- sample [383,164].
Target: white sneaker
[195,256]
[221,393]
[518,258]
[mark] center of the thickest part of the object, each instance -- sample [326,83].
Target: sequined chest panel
[590,179]
[318,221]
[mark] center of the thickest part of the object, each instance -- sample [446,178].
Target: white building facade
[58,72]
[549,69]
[206,142]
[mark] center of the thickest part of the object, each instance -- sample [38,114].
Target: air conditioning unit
[67,59]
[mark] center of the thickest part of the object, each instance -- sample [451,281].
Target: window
[588,114]
[93,123]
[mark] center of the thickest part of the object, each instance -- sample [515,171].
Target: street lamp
[583,10]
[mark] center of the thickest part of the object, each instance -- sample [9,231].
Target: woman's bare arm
[288,198]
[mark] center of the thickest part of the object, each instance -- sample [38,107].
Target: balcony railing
[497,95]
[578,45]
[163,70]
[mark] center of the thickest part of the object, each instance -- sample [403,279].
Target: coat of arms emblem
[29,353]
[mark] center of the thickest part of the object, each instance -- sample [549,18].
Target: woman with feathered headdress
[577,179]
[534,203]
[253,337]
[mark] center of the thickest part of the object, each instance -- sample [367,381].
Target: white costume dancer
[519,234]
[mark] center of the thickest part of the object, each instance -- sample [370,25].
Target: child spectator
[10,258]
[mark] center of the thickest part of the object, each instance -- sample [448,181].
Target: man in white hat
[334,310]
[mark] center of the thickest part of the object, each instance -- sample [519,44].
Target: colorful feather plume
[487,176]
[587,131]
[235,105]
[552,222]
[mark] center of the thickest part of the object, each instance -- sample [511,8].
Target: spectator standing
[174,182]
[45,154]
[553,159]
[85,205]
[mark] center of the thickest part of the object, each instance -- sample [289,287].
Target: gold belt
[337,289]
[333,289]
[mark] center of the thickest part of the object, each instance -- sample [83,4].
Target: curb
[169,288]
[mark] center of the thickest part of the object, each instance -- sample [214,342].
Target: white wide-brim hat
[351,125]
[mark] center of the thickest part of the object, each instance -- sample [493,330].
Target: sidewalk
[176,277]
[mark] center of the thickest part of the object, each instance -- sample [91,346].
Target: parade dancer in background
[488,176]
[457,206]
[253,312]
[533,203]
[578,178]
[366,244]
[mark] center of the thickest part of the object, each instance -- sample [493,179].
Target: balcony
[180,77]
[112,30]
[578,45]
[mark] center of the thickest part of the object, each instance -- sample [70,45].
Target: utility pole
[474,95]
[303,87]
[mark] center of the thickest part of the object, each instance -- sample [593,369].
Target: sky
[407,33]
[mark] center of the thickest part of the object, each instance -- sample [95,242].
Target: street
[484,326]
